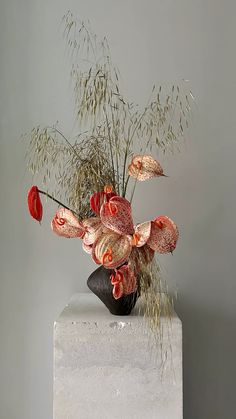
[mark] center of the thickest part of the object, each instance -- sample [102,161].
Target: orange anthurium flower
[116,215]
[144,167]
[35,204]
[65,224]
[111,249]
[164,235]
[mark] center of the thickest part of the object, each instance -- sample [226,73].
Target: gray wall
[151,41]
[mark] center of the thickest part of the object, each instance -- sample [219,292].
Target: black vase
[100,284]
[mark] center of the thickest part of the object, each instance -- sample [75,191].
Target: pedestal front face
[106,367]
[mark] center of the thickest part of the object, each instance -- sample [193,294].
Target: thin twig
[58,202]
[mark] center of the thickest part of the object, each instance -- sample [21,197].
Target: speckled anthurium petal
[87,248]
[111,250]
[143,167]
[99,198]
[164,235]
[116,277]
[129,280]
[142,233]
[93,228]
[118,290]
[124,276]
[65,224]
[116,215]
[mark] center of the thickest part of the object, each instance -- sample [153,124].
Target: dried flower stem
[56,200]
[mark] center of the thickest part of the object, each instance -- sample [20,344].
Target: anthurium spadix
[143,167]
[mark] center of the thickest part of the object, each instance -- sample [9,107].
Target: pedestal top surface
[86,307]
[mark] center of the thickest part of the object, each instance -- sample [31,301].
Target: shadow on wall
[209,347]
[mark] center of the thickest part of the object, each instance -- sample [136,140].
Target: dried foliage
[114,126]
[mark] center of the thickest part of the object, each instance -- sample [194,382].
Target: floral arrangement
[93,171]
[110,236]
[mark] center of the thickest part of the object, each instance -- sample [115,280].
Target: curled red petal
[124,281]
[66,224]
[99,198]
[34,203]
[129,279]
[164,235]
[116,277]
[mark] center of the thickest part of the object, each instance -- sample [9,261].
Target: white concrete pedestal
[105,366]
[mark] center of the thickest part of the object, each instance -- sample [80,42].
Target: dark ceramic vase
[100,284]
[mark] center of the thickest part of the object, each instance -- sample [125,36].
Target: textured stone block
[107,367]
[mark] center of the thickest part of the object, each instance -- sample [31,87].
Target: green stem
[110,145]
[126,184]
[58,202]
[116,153]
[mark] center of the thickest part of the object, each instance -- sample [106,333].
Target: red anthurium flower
[124,281]
[164,235]
[111,249]
[35,204]
[99,198]
[144,167]
[65,224]
[116,215]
